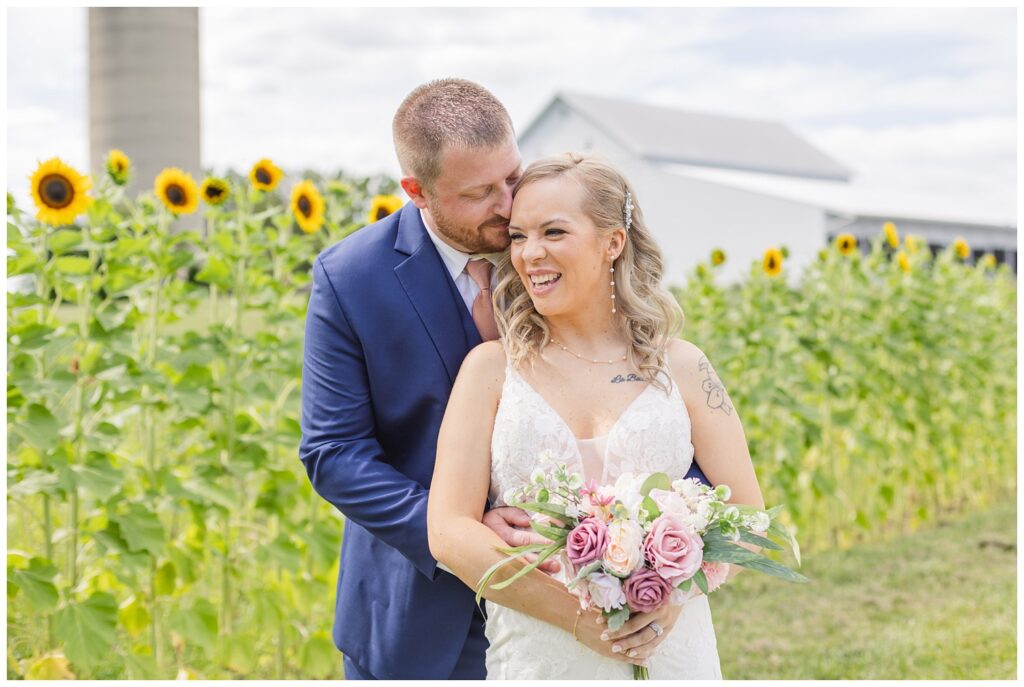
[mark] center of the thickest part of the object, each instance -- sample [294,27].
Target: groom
[393,311]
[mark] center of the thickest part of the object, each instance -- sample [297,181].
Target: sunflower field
[160,524]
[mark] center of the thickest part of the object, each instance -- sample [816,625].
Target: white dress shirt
[455,261]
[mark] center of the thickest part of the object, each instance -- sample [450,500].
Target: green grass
[937,604]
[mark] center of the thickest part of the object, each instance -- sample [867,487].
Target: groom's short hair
[446,113]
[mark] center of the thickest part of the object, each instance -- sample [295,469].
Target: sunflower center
[771,263]
[382,212]
[305,207]
[214,192]
[262,176]
[56,191]
[176,194]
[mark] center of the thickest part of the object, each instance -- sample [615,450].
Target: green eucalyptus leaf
[616,619]
[657,480]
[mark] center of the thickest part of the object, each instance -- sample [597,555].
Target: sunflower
[846,243]
[59,192]
[717,257]
[891,235]
[988,261]
[903,261]
[118,166]
[772,262]
[214,191]
[308,207]
[382,206]
[264,175]
[177,190]
[963,251]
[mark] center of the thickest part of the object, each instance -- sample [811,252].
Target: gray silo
[144,89]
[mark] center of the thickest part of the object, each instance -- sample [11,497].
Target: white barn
[742,185]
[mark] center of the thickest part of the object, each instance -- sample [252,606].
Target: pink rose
[715,572]
[646,590]
[674,550]
[587,542]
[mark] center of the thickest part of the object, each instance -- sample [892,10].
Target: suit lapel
[427,284]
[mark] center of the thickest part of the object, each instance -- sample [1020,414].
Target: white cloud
[920,97]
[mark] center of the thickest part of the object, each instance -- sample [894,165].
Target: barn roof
[663,134]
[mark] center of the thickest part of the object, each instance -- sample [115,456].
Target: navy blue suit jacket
[386,332]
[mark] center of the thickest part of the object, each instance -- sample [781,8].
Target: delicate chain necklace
[598,362]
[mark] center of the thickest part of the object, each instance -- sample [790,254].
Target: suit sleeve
[339,447]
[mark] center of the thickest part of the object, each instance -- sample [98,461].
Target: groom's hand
[504,522]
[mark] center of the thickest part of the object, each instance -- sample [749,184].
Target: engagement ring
[657,629]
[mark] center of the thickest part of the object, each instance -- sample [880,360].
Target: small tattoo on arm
[619,379]
[713,387]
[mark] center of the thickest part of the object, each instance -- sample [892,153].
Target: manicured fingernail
[616,648]
[632,653]
[604,636]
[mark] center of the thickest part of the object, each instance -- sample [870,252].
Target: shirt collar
[454,259]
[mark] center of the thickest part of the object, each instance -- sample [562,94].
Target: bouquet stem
[641,673]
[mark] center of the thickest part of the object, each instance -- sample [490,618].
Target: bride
[587,368]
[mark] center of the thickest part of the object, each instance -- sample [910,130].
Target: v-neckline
[566,424]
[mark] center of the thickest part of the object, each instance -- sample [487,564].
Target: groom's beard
[489,237]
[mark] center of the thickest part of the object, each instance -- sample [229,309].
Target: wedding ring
[657,629]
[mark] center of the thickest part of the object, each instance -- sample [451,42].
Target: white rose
[605,591]
[670,502]
[627,490]
[625,550]
[689,488]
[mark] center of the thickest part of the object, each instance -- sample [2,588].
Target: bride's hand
[589,631]
[636,634]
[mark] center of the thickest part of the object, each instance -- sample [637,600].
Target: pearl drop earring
[612,270]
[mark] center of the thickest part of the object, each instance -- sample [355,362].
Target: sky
[921,99]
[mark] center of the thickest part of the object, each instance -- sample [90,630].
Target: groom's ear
[413,188]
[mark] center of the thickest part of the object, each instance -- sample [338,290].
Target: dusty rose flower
[674,549]
[715,572]
[625,550]
[605,591]
[587,542]
[646,590]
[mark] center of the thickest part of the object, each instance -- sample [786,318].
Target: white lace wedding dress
[651,435]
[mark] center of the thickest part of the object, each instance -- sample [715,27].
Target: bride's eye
[554,232]
[516,236]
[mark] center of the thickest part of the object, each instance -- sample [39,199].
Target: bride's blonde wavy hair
[646,313]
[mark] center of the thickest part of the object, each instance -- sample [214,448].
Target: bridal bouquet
[642,542]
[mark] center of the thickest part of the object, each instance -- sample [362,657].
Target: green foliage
[872,399]
[160,524]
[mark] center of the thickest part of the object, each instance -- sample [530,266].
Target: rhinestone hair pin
[629,210]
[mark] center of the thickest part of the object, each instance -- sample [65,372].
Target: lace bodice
[651,435]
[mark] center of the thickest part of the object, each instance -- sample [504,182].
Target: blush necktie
[483,312]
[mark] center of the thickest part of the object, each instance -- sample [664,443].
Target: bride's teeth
[545,278]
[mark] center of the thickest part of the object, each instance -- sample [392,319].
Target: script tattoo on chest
[619,379]
[713,387]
